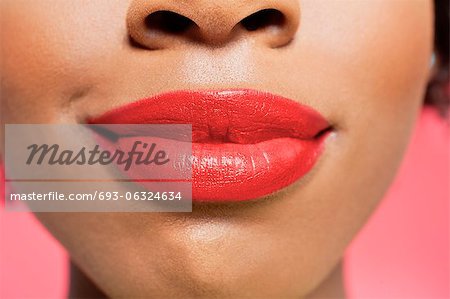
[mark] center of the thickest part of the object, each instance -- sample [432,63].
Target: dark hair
[438,89]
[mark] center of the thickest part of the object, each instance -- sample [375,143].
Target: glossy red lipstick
[246,144]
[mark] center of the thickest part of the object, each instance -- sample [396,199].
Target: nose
[163,24]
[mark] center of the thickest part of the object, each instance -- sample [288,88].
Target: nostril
[167,22]
[263,19]
[153,25]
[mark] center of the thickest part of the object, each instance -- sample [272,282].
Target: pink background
[403,251]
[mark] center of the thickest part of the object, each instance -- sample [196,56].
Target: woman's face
[364,65]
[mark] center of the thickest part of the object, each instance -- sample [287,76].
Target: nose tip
[166,24]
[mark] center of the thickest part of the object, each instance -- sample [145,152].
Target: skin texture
[364,65]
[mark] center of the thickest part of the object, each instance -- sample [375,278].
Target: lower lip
[238,172]
[250,171]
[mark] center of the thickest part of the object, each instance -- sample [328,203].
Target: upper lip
[241,116]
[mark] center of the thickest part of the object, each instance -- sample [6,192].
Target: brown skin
[363,64]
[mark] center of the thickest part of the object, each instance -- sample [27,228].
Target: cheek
[378,75]
[55,50]
[368,51]
[370,61]
[384,82]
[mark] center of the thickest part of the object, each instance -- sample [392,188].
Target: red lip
[246,144]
